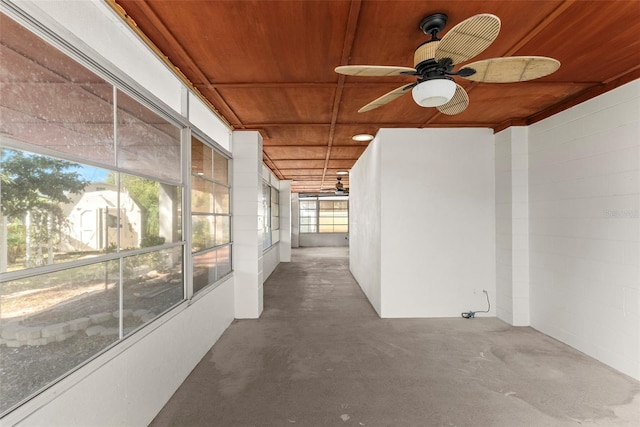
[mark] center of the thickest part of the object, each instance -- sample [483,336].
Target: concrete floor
[320,356]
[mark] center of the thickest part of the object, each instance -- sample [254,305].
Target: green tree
[35,187]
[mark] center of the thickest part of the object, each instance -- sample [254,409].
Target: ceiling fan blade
[512,69]
[374,70]
[468,38]
[387,97]
[457,104]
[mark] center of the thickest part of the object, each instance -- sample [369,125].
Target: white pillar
[285,221]
[295,220]
[512,226]
[247,238]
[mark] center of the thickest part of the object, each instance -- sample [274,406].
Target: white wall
[365,223]
[585,232]
[422,239]
[285,221]
[323,239]
[295,220]
[512,226]
[130,383]
[504,219]
[438,226]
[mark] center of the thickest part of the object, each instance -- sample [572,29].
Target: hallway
[320,356]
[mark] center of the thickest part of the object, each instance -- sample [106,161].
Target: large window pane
[52,323]
[201,159]
[153,283]
[55,210]
[202,232]
[149,212]
[147,143]
[222,199]
[58,213]
[202,195]
[204,270]
[224,261]
[222,230]
[48,100]
[221,168]
[210,266]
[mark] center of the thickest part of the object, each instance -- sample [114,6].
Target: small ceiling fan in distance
[435,59]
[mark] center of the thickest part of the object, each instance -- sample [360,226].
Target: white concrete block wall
[247,253]
[295,220]
[323,239]
[365,223]
[512,226]
[504,226]
[584,195]
[437,221]
[520,225]
[285,221]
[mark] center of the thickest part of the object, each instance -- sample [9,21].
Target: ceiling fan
[435,59]
[340,189]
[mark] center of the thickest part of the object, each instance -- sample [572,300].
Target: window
[270,216]
[324,215]
[210,215]
[275,215]
[91,244]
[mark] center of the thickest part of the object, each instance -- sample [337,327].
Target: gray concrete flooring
[320,356]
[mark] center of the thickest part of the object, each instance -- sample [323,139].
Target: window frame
[269,206]
[61,39]
[215,147]
[317,217]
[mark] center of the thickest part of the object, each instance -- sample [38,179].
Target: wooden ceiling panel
[596,53]
[280,105]
[347,152]
[244,41]
[296,152]
[343,164]
[296,135]
[284,164]
[388,31]
[268,66]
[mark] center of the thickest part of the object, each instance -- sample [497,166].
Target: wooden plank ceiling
[268,66]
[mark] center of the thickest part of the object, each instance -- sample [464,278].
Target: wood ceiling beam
[184,55]
[350,34]
[260,126]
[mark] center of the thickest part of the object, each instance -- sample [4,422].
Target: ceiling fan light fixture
[342,173]
[433,93]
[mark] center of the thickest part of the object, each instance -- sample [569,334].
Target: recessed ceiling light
[342,173]
[362,137]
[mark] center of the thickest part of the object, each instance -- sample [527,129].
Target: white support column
[247,239]
[512,226]
[295,220]
[285,221]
